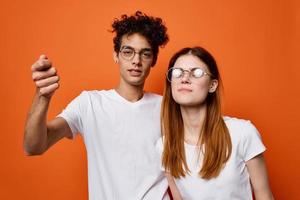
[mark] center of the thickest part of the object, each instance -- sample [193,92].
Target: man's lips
[135,72]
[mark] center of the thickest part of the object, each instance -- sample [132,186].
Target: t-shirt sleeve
[251,142]
[159,149]
[73,114]
[159,146]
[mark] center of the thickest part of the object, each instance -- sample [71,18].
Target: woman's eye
[197,73]
[176,73]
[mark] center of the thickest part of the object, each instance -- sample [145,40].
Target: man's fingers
[41,64]
[44,76]
[38,75]
[47,81]
[49,89]
[43,56]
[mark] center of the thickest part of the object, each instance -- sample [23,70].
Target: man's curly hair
[152,28]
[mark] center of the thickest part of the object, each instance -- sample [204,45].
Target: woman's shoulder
[240,127]
[236,122]
[245,137]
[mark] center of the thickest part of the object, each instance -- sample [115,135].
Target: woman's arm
[174,190]
[259,178]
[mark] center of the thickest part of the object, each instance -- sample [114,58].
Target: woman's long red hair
[214,138]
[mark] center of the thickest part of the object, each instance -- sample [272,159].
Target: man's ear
[115,57]
[213,85]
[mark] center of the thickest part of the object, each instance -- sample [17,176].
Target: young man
[119,126]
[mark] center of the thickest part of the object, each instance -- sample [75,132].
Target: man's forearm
[35,136]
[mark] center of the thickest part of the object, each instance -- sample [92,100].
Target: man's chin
[136,83]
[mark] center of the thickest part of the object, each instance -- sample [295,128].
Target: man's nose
[136,58]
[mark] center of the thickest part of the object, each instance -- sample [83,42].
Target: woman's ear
[115,57]
[213,85]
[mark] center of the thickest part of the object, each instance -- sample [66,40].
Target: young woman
[206,155]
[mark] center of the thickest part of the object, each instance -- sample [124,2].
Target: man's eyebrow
[130,47]
[126,47]
[146,49]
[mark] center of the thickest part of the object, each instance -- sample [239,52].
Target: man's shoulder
[96,92]
[153,96]
[91,95]
[110,94]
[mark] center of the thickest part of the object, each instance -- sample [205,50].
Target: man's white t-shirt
[233,183]
[120,141]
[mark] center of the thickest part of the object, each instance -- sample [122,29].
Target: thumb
[43,56]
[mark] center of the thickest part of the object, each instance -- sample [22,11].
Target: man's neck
[131,93]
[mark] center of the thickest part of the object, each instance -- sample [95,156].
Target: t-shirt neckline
[118,96]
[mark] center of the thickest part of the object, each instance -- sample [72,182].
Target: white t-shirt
[233,183]
[120,141]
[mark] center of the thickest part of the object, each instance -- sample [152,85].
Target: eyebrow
[191,68]
[129,47]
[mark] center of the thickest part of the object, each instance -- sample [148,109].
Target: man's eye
[127,52]
[147,54]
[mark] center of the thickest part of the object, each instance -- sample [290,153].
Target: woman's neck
[193,120]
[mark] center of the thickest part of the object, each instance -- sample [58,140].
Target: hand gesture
[45,77]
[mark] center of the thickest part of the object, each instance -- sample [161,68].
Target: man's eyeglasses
[128,53]
[178,73]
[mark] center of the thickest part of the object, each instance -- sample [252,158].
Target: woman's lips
[184,90]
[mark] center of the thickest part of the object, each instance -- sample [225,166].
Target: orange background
[254,41]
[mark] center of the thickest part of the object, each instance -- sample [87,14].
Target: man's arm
[259,178]
[40,135]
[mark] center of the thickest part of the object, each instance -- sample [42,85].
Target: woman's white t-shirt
[233,182]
